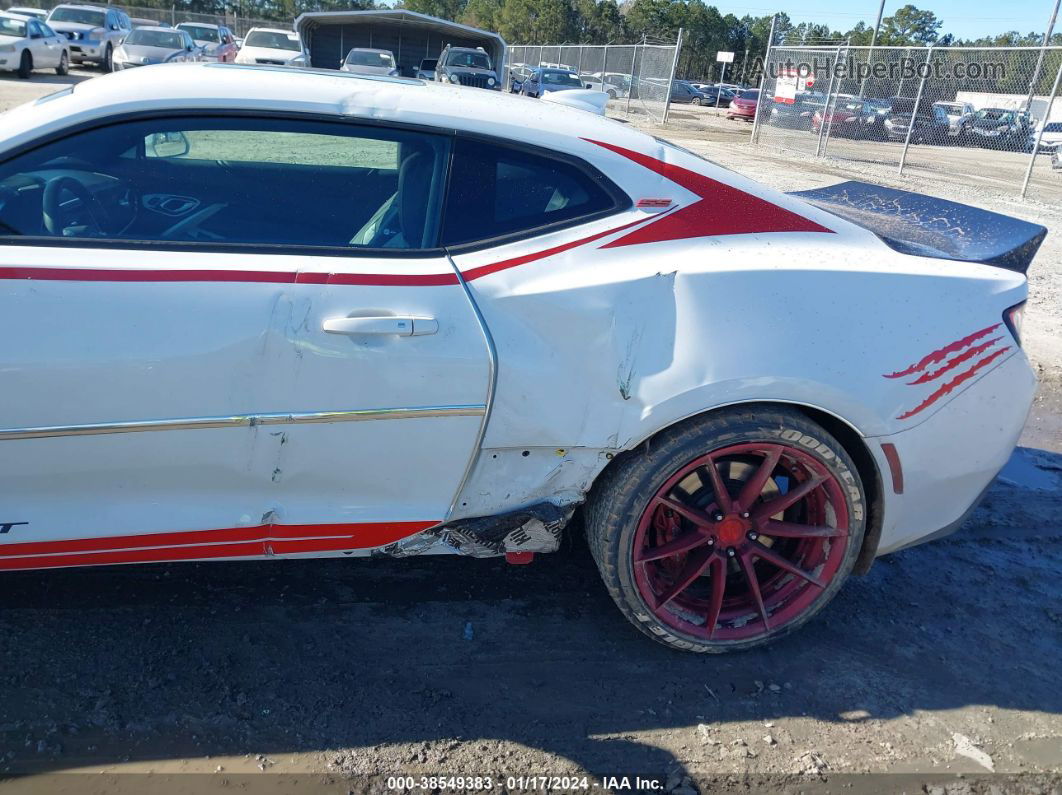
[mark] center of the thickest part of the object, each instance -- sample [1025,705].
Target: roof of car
[9,15]
[204,86]
[85,6]
[272,30]
[201,25]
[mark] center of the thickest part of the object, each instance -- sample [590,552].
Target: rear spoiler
[929,227]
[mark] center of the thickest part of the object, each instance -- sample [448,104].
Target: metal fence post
[914,112]
[1040,132]
[634,80]
[829,124]
[826,107]
[671,79]
[763,78]
[1040,59]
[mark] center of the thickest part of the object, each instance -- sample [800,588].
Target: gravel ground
[937,672]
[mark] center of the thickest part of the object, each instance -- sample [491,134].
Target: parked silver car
[366,61]
[93,32]
[146,46]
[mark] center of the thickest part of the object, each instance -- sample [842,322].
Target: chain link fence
[169,14]
[637,77]
[989,115]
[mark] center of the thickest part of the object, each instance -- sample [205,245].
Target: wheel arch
[850,438]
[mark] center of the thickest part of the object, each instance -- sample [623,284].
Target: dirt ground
[938,672]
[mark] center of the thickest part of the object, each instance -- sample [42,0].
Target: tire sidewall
[647,472]
[64,65]
[25,65]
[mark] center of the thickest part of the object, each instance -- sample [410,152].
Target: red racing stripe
[721,209]
[226,542]
[206,275]
[486,270]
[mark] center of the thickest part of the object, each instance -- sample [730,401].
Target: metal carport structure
[329,35]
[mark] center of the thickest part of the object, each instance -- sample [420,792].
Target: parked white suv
[93,32]
[271,46]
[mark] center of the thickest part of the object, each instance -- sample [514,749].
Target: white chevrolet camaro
[271,313]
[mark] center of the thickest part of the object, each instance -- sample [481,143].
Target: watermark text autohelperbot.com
[822,66]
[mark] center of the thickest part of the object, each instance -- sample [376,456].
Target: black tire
[108,59]
[63,68]
[611,94]
[623,493]
[25,65]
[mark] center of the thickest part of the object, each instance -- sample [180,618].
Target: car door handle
[405,326]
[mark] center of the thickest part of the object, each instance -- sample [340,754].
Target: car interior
[164,181]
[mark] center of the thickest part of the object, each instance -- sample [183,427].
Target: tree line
[706,30]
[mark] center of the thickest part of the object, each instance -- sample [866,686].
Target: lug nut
[711,541]
[718,517]
[753,536]
[745,515]
[730,552]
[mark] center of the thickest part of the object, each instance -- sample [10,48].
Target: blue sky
[965,18]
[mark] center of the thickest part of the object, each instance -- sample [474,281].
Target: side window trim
[621,201]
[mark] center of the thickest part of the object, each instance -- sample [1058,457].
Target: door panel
[238,354]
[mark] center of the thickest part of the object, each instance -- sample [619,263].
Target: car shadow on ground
[399,664]
[71,79]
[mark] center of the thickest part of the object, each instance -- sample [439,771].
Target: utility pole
[1040,58]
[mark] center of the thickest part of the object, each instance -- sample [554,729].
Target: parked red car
[851,118]
[743,106]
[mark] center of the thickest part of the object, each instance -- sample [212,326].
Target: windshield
[429,64]
[469,60]
[370,58]
[147,37]
[86,16]
[994,115]
[200,33]
[561,79]
[273,40]
[752,93]
[12,27]
[853,107]
[1055,126]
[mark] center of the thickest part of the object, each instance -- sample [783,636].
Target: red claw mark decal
[719,210]
[964,349]
[941,354]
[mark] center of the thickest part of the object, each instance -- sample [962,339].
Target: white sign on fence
[724,57]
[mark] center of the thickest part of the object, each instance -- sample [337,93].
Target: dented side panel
[218,355]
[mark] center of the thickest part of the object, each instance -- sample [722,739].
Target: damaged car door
[230,336]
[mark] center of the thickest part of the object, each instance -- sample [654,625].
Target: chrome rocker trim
[243,421]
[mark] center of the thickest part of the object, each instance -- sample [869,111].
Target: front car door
[236,332]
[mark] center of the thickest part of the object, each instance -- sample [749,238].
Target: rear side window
[497,191]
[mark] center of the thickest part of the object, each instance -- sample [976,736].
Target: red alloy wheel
[741,542]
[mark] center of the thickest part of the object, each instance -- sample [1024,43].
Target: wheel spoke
[715,605]
[778,529]
[676,546]
[773,557]
[793,496]
[722,496]
[754,485]
[754,587]
[698,517]
[695,566]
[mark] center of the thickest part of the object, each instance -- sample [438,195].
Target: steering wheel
[56,217]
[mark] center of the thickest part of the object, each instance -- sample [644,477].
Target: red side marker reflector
[519,558]
[889,449]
